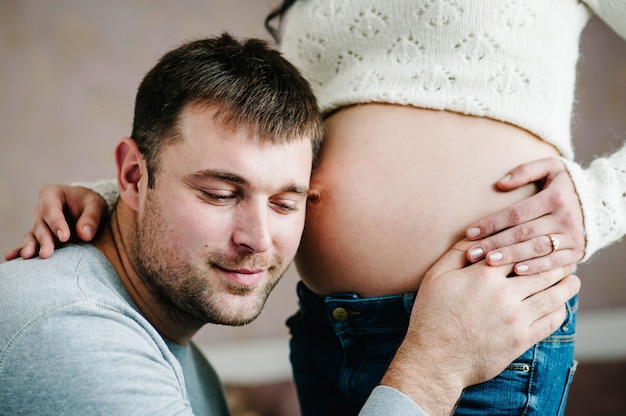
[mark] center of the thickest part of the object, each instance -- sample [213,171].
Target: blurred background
[69,70]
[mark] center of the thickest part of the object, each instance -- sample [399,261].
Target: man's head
[213,182]
[250,84]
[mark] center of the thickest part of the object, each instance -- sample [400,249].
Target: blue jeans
[342,344]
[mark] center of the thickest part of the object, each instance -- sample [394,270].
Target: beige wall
[69,70]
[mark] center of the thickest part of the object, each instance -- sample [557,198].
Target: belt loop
[408,300]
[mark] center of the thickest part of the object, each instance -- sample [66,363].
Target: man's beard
[196,293]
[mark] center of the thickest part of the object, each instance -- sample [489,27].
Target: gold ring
[554,241]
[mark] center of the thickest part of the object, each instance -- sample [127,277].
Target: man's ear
[131,172]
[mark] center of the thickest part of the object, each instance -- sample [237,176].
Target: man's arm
[96,361]
[467,325]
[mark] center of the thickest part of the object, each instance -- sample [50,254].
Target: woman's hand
[539,233]
[84,208]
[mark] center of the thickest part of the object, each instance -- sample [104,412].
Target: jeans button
[340,314]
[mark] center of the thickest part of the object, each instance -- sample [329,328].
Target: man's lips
[243,277]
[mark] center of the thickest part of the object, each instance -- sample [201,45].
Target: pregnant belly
[396,186]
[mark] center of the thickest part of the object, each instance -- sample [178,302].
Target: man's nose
[253,228]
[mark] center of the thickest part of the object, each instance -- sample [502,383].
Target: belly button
[313,197]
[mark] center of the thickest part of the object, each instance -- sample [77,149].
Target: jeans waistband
[351,309]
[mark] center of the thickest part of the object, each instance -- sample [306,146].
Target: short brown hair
[249,83]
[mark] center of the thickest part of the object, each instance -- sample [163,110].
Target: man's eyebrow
[239,180]
[217,174]
[294,188]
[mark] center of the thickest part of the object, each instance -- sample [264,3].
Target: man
[213,184]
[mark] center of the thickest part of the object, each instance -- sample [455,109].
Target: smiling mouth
[244,276]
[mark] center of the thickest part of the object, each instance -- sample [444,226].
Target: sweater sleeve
[602,186]
[612,12]
[106,188]
[388,401]
[601,189]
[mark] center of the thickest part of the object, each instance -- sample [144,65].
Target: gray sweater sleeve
[386,401]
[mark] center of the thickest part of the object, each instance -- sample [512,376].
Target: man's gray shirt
[73,342]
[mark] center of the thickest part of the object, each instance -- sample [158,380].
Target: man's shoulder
[73,340]
[63,294]
[60,273]
[64,261]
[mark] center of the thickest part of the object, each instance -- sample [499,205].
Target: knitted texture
[602,192]
[491,58]
[513,61]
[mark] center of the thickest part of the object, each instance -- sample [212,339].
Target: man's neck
[112,241]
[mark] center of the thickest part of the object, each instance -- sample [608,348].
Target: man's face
[223,221]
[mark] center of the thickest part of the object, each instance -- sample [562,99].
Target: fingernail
[473,232]
[506,178]
[476,253]
[59,234]
[521,268]
[87,229]
[495,256]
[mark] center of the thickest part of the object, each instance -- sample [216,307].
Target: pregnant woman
[427,105]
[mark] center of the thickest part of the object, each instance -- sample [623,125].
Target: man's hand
[469,323]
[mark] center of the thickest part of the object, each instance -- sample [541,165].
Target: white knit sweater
[510,60]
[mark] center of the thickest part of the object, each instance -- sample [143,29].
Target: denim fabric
[342,344]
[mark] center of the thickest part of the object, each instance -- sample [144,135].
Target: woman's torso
[397,186]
